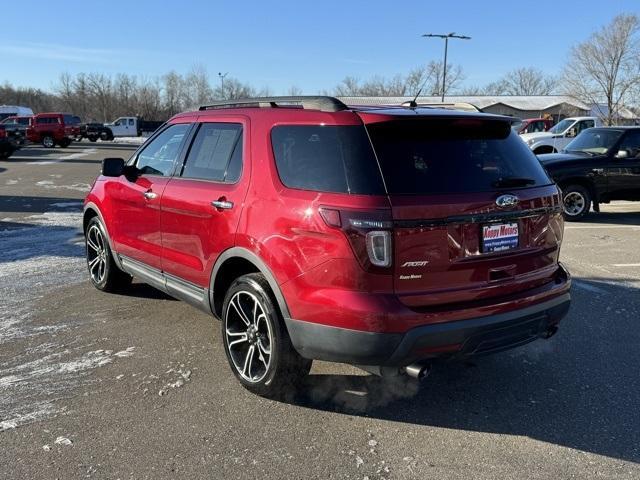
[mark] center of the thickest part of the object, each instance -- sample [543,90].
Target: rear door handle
[149,195]
[222,204]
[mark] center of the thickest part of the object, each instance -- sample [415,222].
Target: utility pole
[446,47]
[222,83]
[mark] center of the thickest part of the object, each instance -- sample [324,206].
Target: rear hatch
[475,216]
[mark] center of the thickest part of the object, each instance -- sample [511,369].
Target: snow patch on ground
[83,153]
[132,140]
[45,254]
[80,187]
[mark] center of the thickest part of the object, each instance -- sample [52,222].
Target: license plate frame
[499,237]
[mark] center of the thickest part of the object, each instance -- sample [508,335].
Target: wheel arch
[235,262]
[582,181]
[91,210]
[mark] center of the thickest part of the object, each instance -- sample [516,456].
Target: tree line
[605,68]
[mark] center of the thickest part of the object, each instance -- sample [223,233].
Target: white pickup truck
[559,136]
[131,127]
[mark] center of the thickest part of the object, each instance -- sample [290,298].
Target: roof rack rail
[464,106]
[322,103]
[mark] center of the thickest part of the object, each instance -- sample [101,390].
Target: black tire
[284,369]
[65,143]
[93,139]
[104,273]
[576,202]
[48,141]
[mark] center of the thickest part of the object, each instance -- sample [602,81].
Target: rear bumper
[475,336]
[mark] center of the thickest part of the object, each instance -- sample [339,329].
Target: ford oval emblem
[505,201]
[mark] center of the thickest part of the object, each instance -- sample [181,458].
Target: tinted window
[326,158]
[595,141]
[584,124]
[131,122]
[159,156]
[631,143]
[212,150]
[452,156]
[71,120]
[47,120]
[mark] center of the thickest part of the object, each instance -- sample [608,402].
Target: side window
[631,143]
[118,122]
[216,153]
[159,156]
[131,122]
[584,124]
[335,159]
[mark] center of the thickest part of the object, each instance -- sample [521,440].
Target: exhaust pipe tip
[551,331]
[419,371]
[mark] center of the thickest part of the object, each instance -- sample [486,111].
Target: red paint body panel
[135,226]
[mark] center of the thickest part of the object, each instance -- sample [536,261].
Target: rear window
[71,120]
[433,156]
[330,158]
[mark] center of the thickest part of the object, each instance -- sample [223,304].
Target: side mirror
[571,133]
[113,167]
[622,154]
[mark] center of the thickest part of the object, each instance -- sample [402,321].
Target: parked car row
[60,129]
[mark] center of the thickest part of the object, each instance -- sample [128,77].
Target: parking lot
[138,386]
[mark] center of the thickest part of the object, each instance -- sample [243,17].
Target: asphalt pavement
[94,385]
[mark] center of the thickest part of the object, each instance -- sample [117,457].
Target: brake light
[369,234]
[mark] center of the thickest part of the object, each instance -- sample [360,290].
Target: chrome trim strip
[477,218]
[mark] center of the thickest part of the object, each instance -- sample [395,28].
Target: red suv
[53,129]
[379,237]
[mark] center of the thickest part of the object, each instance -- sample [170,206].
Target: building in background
[535,106]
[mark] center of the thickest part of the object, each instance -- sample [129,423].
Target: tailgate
[461,248]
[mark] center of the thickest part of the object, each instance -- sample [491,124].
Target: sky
[312,45]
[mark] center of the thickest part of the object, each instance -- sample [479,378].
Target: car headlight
[531,141]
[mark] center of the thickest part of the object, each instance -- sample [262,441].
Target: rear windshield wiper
[513,182]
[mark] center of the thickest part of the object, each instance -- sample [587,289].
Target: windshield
[427,156]
[594,141]
[562,126]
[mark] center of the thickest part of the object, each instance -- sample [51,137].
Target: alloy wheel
[248,336]
[574,203]
[96,254]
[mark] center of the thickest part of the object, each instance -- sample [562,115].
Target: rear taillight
[369,233]
[3,133]
[379,248]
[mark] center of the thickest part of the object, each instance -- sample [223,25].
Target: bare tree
[605,69]
[197,89]
[429,79]
[434,72]
[234,89]
[523,81]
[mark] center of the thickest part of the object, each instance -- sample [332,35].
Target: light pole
[222,83]
[446,47]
